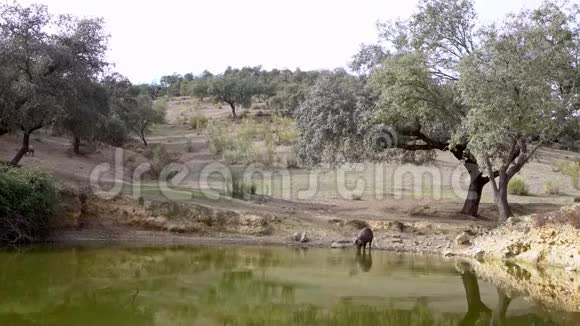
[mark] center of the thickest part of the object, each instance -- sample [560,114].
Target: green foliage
[285,131]
[159,158]
[159,105]
[552,187]
[53,62]
[27,200]
[237,87]
[250,141]
[233,147]
[113,132]
[517,102]
[332,120]
[198,122]
[518,186]
[571,169]
[86,112]
[287,98]
[137,110]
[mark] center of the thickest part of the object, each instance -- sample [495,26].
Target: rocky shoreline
[548,240]
[541,240]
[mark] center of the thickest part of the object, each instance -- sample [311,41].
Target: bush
[114,132]
[239,145]
[518,186]
[233,147]
[198,122]
[27,201]
[285,130]
[571,169]
[552,187]
[237,188]
[158,157]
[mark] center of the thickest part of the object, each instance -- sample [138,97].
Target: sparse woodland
[437,81]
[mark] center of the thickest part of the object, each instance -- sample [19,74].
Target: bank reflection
[250,286]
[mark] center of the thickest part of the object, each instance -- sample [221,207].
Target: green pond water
[121,285]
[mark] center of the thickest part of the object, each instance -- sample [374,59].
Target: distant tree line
[281,90]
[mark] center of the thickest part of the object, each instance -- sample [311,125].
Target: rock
[463,239]
[396,226]
[513,220]
[577,199]
[341,244]
[570,269]
[479,254]
[448,254]
[304,238]
[397,241]
[296,236]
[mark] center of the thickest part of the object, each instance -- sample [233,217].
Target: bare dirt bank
[549,239]
[89,218]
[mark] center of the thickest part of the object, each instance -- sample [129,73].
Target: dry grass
[562,217]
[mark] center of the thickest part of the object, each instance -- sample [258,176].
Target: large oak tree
[522,84]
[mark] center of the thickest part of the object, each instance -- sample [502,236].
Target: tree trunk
[475,307]
[233,110]
[141,133]
[471,204]
[476,183]
[76,145]
[501,198]
[498,315]
[24,149]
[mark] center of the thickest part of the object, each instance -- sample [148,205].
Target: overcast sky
[150,39]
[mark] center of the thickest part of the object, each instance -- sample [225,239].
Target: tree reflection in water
[475,307]
[237,286]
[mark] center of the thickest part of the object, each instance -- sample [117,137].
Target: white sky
[150,39]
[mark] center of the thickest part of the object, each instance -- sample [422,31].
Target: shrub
[552,187]
[158,157]
[292,160]
[251,130]
[114,132]
[565,216]
[237,188]
[518,186]
[285,130]
[27,201]
[217,133]
[233,147]
[238,145]
[160,106]
[198,122]
[571,169]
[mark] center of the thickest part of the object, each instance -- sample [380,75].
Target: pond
[208,285]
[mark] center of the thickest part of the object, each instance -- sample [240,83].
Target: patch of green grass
[552,187]
[571,169]
[198,122]
[250,141]
[518,186]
